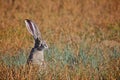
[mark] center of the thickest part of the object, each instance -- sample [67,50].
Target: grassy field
[83,39]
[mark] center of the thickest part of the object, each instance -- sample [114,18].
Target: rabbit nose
[46,46]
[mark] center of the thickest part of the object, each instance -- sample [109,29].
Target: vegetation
[83,39]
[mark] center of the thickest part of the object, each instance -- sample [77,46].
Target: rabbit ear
[33,29]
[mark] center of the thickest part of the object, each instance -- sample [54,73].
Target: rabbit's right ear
[31,28]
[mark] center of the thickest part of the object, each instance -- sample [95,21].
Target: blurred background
[59,21]
[76,23]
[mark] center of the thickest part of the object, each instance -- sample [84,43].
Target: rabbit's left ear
[32,28]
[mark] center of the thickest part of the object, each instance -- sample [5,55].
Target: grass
[83,39]
[84,65]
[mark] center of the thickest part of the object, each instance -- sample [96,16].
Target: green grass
[16,60]
[60,60]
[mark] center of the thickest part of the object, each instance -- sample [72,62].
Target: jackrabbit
[37,53]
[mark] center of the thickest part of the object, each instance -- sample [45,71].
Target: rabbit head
[34,31]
